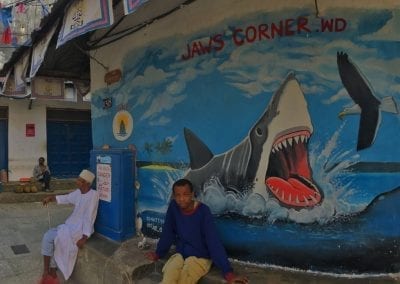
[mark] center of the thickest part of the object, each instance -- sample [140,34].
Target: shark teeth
[303,138]
[313,199]
[289,142]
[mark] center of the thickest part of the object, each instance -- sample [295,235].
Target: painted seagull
[272,161]
[367,104]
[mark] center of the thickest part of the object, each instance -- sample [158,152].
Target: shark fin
[199,153]
[388,104]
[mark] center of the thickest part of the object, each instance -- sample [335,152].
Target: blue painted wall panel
[68,147]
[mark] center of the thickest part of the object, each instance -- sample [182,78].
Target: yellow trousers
[185,271]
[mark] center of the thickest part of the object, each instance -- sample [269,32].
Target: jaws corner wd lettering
[261,32]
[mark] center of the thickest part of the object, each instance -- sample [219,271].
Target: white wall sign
[103,181]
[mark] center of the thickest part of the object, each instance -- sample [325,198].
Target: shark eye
[259,131]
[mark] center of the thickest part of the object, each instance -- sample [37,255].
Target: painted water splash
[163,186]
[327,165]
[334,205]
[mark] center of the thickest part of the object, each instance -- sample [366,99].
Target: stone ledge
[105,261]
[13,197]
[58,184]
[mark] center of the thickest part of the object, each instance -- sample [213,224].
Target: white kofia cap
[87,175]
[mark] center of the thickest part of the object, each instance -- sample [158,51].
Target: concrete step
[12,192]
[56,184]
[106,261]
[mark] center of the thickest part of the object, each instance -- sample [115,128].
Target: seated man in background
[60,245]
[41,173]
[190,226]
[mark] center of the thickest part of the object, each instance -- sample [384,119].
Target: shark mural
[271,161]
[252,121]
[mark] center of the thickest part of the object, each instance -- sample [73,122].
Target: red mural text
[262,32]
[333,25]
[215,43]
[286,27]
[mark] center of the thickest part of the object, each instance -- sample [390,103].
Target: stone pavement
[22,227]
[103,261]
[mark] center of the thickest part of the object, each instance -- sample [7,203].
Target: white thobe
[79,223]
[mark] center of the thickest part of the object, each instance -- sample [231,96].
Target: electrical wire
[316,8]
[131,30]
[90,56]
[109,31]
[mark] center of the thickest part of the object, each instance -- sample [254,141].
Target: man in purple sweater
[190,226]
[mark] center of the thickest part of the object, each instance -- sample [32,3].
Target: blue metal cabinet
[115,170]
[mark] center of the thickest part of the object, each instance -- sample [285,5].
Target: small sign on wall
[30,130]
[103,177]
[47,88]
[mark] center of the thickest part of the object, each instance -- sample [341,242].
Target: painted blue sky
[219,96]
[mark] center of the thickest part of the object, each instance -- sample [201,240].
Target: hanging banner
[9,86]
[39,50]
[47,88]
[131,6]
[20,69]
[5,83]
[83,16]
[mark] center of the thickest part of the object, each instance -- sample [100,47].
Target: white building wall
[23,152]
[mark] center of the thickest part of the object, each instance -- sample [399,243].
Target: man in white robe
[60,245]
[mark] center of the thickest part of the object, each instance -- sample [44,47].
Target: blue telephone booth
[115,169]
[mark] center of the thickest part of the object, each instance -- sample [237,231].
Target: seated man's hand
[80,243]
[151,255]
[48,199]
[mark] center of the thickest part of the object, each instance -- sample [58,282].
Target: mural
[256,112]
[271,160]
[365,102]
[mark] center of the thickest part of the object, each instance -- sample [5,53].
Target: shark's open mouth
[289,174]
